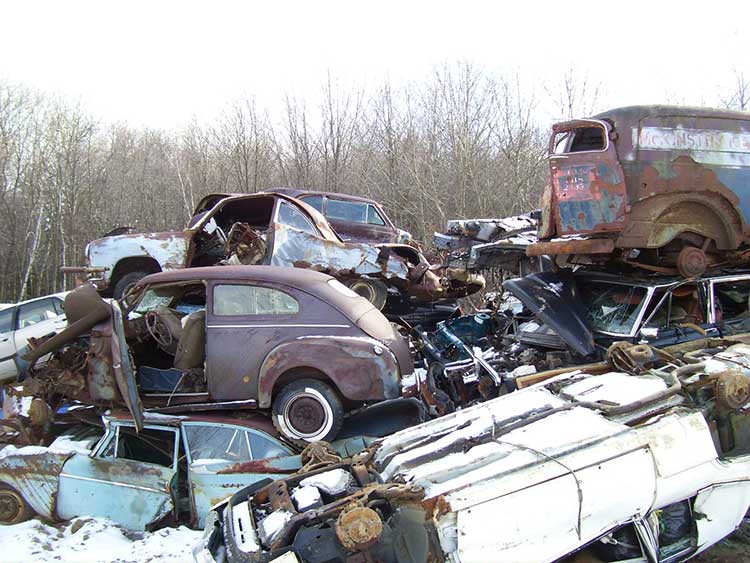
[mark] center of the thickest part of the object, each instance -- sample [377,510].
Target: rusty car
[297,343]
[271,229]
[659,187]
[641,463]
[170,471]
[354,218]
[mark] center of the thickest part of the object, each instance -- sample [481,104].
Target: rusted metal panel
[35,477]
[361,368]
[169,249]
[572,246]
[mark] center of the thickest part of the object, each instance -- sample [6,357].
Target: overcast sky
[159,63]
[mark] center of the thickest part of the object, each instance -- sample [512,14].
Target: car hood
[553,298]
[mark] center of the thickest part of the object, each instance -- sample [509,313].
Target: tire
[308,410]
[126,282]
[13,507]
[375,291]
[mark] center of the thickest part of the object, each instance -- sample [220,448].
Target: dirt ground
[735,548]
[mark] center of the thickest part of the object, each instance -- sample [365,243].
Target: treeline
[461,143]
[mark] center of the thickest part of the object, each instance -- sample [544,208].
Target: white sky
[159,63]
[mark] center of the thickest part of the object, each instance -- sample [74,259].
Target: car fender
[169,249]
[33,472]
[361,368]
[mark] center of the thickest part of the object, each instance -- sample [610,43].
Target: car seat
[191,348]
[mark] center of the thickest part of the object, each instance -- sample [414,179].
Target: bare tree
[739,96]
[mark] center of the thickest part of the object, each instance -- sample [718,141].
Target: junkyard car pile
[616,349]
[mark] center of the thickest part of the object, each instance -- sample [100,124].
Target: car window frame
[650,290]
[711,294]
[13,310]
[250,431]
[50,300]
[113,433]
[277,218]
[580,124]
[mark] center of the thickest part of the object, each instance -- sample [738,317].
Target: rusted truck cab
[662,187]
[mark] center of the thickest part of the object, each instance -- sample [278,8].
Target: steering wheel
[158,329]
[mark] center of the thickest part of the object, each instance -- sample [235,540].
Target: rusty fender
[35,477]
[349,362]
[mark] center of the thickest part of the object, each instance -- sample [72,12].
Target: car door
[587,180]
[245,322]
[7,343]
[38,318]
[224,458]
[129,478]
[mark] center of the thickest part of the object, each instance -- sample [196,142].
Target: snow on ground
[92,540]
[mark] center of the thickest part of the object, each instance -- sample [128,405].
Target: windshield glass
[611,307]
[153,299]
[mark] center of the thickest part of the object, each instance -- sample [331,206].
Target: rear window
[346,210]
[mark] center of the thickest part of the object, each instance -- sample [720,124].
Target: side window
[59,306]
[6,320]
[731,300]
[291,216]
[315,201]
[151,445]
[36,312]
[214,443]
[252,300]
[682,305]
[264,447]
[347,210]
[374,217]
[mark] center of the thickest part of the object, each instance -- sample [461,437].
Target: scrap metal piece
[358,527]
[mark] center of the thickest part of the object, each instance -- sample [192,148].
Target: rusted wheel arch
[656,221]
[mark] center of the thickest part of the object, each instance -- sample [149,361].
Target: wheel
[308,410]
[126,283]
[375,291]
[691,262]
[13,508]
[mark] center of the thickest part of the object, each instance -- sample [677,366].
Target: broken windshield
[611,307]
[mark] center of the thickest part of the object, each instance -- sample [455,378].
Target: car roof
[212,201]
[296,193]
[253,421]
[636,113]
[60,295]
[298,277]
[653,280]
